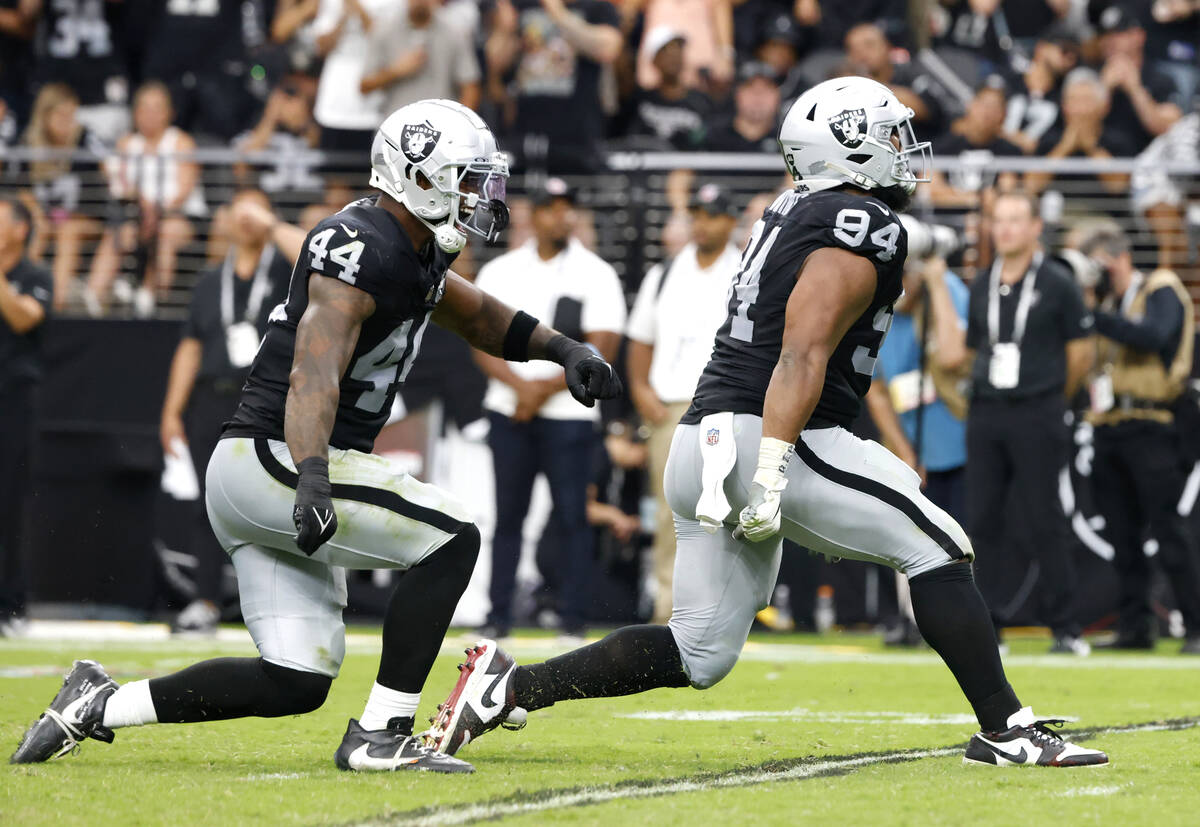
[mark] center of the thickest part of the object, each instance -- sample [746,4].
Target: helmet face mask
[853,131]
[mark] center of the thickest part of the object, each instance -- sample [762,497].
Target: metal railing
[633,216]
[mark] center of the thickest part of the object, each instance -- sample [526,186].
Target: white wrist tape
[773,458]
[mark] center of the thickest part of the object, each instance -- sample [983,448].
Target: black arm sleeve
[1154,332]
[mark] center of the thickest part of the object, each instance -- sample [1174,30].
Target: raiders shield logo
[849,126]
[417,141]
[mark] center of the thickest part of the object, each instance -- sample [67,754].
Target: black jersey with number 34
[365,246]
[748,344]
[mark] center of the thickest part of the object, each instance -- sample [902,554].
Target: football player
[764,453]
[294,494]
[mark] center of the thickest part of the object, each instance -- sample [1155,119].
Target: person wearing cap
[779,44]
[1143,99]
[869,53]
[707,28]
[536,426]
[670,111]
[1145,342]
[680,305]
[1034,104]
[756,109]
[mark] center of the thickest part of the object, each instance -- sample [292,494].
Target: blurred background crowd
[161,160]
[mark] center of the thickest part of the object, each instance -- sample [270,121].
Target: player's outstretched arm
[498,330]
[833,289]
[325,340]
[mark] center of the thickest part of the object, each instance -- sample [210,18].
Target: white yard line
[555,800]
[884,718]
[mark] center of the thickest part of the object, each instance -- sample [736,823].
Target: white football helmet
[840,132]
[439,159]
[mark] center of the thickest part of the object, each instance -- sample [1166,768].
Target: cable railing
[101,228]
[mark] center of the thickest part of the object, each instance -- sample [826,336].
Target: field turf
[831,730]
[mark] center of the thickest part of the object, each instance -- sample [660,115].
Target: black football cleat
[391,750]
[482,700]
[76,713]
[1029,741]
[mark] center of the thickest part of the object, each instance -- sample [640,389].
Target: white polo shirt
[681,317]
[521,279]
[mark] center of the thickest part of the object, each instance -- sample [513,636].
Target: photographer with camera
[916,399]
[1029,326]
[1146,328]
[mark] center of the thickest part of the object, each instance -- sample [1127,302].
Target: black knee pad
[298,692]
[949,573]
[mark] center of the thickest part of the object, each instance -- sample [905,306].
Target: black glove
[313,513]
[589,377]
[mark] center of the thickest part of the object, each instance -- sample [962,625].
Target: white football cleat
[482,700]
[1029,741]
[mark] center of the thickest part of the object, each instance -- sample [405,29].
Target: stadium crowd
[107,106]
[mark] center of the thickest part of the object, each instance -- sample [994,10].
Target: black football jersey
[363,245]
[747,345]
[78,44]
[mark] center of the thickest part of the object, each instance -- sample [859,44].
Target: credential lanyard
[1023,304]
[258,289]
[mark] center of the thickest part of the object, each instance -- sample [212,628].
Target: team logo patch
[436,292]
[714,436]
[849,126]
[417,141]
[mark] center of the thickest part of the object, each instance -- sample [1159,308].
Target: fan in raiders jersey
[764,453]
[293,492]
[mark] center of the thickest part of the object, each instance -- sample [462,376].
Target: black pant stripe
[882,492]
[362,493]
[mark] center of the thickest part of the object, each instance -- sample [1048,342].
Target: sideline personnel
[1029,326]
[1146,332]
[26,292]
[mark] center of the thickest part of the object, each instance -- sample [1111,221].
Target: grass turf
[794,704]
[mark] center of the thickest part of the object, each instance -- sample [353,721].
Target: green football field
[831,730]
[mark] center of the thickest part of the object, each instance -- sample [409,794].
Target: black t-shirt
[747,345]
[682,123]
[204,320]
[198,36]
[724,138]
[20,360]
[365,246]
[1115,142]
[952,144]
[1056,316]
[1122,117]
[557,89]
[1032,114]
[16,58]
[78,43]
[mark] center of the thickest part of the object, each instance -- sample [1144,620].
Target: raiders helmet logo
[417,141]
[849,127]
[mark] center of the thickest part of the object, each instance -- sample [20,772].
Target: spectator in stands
[1161,196]
[832,20]
[756,110]
[869,53]
[18,20]
[1033,109]
[25,295]
[292,27]
[1144,101]
[198,50]
[536,427]
[287,131]
[348,118]
[995,30]
[545,58]
[82,46]
[670,111]
[156,192]
[1085,133]
[1146,336]
[779,44]
[679,307]
[1172,46]
[976,137]
[67,190]
[416,52]
[227,318]
[707,28]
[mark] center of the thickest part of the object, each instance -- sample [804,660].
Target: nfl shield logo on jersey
[849,126]
[714,436]
[418,140]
